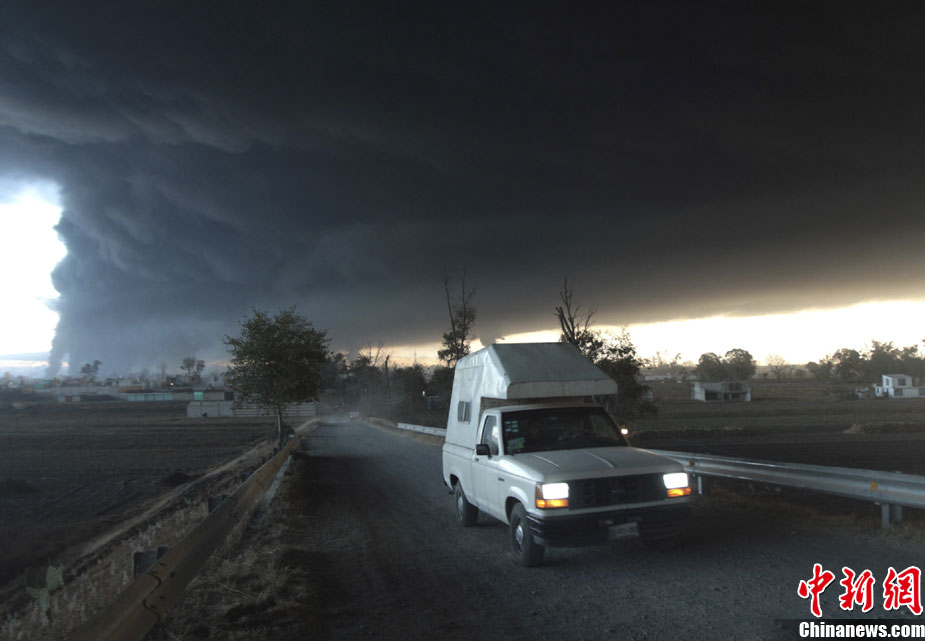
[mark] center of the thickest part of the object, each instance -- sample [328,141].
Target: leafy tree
[335,371]
[822,370]
[90,370]
[882,358]
[462,320]
[366,382]
[710,367]
[277,360]
[193,368]
[619,361]
[441,384]
[407,394]
[846,364]
[739,364]
[912,361]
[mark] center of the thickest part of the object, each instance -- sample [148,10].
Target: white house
[899,386]
[724,391]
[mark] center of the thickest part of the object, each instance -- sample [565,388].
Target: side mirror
[481,449]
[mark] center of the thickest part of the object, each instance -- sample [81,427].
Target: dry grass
[261,584]
[889,427]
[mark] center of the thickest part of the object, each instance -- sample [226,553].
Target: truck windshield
[558,428]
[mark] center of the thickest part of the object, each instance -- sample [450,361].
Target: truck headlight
[551,495]
[676,484]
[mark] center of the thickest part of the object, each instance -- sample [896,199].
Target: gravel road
[393,564]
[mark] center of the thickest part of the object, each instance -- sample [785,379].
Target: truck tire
[526,550]
[466,513]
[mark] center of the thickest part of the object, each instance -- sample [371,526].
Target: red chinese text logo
[900,589]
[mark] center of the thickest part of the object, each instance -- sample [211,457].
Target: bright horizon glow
[29,250]
[799,337]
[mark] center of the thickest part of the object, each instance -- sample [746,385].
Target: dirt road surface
[390,562]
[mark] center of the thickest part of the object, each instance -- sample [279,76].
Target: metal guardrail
[423,429]
[142,604]
[891,490]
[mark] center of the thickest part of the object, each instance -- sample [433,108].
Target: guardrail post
[702,486]
[890,513]
[896,513]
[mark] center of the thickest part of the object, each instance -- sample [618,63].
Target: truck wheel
[466,513]
[527,551]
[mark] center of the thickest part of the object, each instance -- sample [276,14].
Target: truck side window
[491,435]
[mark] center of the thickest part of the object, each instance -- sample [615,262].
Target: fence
[142,604]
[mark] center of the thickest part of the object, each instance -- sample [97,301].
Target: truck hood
[563,465]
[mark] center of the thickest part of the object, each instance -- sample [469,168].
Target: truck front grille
[615,490]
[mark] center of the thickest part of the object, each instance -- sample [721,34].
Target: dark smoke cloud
[674,161]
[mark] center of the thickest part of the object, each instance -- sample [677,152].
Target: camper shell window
[558,428]
[464,411]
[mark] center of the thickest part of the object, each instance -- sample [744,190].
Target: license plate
[622,531]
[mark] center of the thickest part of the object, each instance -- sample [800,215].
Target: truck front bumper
[594,529]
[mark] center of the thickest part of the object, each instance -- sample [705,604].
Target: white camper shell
[527,445]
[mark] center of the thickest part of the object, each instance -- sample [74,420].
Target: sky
[696,169]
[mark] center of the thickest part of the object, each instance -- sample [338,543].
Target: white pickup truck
[524,445]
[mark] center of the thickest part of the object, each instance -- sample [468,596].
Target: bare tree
[576,325]
[370,353]
[778,366]
[462,320]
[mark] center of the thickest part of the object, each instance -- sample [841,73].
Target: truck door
[486,473]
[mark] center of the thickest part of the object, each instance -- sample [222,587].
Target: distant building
[721,392]
[899,386]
